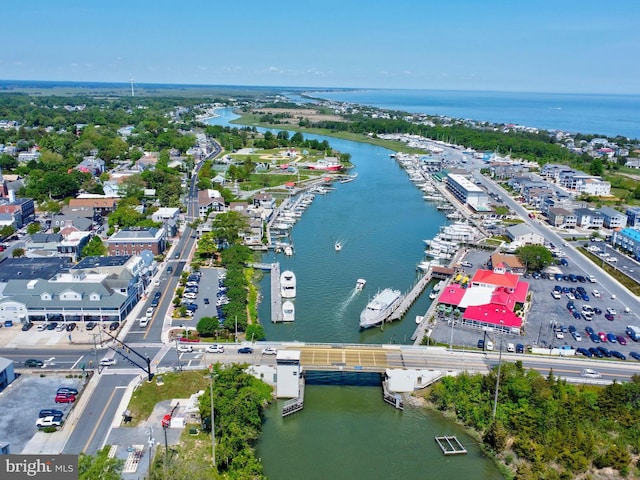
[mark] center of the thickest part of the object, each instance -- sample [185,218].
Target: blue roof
[631,233]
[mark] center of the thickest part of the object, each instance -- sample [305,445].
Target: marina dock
[450,445]
[276,300]
[410,297]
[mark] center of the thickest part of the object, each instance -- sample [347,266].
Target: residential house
[72,243]
[589,218]
[633,217]
[627,239]
[613,218]
[22,209]
[210,201]
[561,218]
[524,235]
[101,206]
[169,217]
[506,263]
[93,165]
[80,223]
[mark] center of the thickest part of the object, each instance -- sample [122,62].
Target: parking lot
[547,314]
[207,289]
[24,399]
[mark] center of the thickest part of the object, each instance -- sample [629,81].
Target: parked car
[27,326]
[609,317]
[49,412]
[64,398]
[61,327]
[71,326]
[8,323]
[589,331]
[114,326]
[605,351]
[594,338]
[519,348]
[91,325]
[611,311]
[51,325]
[611,338]
[206,301]
[584,351]
[214,348]
[635,355]
[576,336]
[621,340]
[68,390]
[50,421]
[481,344]
[245,350]
[595,352]
[603,337]
[185,348]
[618,355]
[32,362]
[596,293]
[466,264]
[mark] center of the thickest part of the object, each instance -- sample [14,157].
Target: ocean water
[609,115]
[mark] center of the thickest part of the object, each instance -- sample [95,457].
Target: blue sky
[565,46]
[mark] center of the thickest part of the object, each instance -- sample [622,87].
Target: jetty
[450,445]
[410,297]
[276,300]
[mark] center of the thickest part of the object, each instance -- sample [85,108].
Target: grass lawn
[176,385]
[614,272]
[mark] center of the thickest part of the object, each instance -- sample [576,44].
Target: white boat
[360,283]
[424,265]
[350,178]
[338,246]
[288,311]
[379,309]
[287,284]
[419,319]
[433,295]
[288,250]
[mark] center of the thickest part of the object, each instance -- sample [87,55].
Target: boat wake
[342,307]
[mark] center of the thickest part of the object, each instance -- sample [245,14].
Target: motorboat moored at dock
[287,284]
[380,308]
[288,311]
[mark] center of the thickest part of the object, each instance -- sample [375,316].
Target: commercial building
[467,192]
[627,239]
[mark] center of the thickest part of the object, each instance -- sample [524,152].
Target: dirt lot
[292,115]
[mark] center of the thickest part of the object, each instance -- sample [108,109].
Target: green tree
[228,226]
[95,248]
[6,231]
[33,227]
[534,257]
[207,326]
[596,167]
[100,466]
[17,252]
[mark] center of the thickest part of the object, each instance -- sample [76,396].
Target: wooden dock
[276,300]
[450,445]
[410,297]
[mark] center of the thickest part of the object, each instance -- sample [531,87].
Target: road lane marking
[95,429]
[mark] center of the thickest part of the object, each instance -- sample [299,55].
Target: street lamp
[213,424]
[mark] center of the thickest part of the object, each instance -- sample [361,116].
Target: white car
[144,321]
[149,312]
[61,327]
[559,335]
[611,310]
[466,264]
[596,294]
[214,348]
[190,295]
[269,351]
[185,348]
[590,372]
[48,422]
[108,362]
[42,326]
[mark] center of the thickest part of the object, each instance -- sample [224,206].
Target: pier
[295,404]
[276,301]
[410,297]
[450,445]
[393,399]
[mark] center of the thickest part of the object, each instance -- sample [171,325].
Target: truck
[633,332]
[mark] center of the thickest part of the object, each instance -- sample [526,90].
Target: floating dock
[276,301]
[410,297]
[450,445]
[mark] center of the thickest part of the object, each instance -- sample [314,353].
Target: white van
[488,345]
[511,348]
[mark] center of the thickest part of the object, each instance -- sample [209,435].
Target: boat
[438,286]
[419,319]
[349,178]
[287,284]
[433,295]
[338,246]
[360,283]
[288,311]
[288,250]
[379,309]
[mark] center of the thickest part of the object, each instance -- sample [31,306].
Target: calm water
[348,432]
[609,115]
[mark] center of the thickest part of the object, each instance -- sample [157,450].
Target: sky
[562,46]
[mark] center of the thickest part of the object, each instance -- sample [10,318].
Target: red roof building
[490,278]
[492,316]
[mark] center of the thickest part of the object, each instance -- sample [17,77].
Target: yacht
[288,311]
[379,309]
[287,284]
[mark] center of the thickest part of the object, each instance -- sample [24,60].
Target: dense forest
[545,427]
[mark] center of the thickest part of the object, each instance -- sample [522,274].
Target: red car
[65,398]
[603,337]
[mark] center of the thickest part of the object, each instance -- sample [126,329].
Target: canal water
[343,431]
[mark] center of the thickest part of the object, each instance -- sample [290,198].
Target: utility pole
[495,399]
